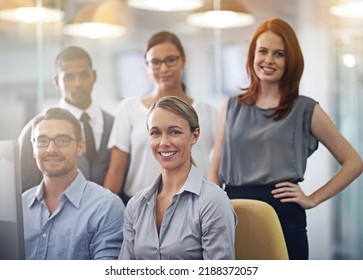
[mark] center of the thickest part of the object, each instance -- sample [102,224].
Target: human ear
[81,148]
[195,135]
[55,81]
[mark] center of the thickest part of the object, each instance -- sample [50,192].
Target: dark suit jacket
[31,176]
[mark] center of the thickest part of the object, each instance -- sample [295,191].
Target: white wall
[313,32]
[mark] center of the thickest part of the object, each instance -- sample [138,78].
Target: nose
[164,141]
[77,80]
[163,66]
[269,58]
[51,147]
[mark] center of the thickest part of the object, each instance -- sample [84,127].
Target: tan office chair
[259,234]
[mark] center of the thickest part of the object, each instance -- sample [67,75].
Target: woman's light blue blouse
[198,224]
[259,150]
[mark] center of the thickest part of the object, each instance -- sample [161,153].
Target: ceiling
[141,23]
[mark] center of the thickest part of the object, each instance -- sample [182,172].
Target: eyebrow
[57,135]
[279,50]
[170,127]
[165,57]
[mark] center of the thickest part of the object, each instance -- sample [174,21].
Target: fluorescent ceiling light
[94,30]
[349,60]
[102,21]
[31,14]
[350,10]
[220,19]
[221,14]
[166,5]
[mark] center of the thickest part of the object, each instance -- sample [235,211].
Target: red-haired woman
[266,134]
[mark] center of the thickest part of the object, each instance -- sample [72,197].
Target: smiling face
[166,77]
[56,161]
[170,139]
[269,60]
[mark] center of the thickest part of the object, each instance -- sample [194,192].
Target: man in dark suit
[74,79]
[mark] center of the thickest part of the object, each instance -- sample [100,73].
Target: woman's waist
[262,183]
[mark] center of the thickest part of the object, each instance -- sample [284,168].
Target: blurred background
[331,41]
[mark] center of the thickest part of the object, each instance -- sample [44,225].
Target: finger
[285,184]
[284,189]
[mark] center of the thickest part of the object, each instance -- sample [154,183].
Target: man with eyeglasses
[66,216]
[74,79]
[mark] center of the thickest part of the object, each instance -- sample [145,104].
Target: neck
[83,107]
[268,96]
[156,94]
[161,92]
[54,186]
[173,180]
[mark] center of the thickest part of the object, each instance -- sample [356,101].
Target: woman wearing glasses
[132,166]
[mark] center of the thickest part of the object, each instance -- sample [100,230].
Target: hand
[290,192]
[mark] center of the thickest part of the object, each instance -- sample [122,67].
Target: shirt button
[44,235]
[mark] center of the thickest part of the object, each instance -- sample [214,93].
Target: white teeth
[268,69]
[167,154]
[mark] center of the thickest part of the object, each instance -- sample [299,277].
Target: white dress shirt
[96,118]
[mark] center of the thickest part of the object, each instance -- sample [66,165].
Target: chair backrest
[259,234]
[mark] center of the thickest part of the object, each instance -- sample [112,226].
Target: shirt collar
[75,189]
[77,112]
[73,192]
[193,184]
[39,194]
[194,181]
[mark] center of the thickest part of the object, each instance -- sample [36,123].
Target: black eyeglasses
[169,61]
[59,141]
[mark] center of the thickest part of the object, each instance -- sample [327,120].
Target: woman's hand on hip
[290,192]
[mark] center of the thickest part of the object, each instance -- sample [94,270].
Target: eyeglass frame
[151,62]
[54,140]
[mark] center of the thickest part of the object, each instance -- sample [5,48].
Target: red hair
[290,81]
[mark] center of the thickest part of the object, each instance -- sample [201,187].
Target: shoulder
[303,100]
[103,195]
[27,129]
[215,205]
[213,195]
[130,110]
[25,135]
[142,195]
[207,113]
[29,193]
[28,196]
[233,101]
[232,106]
[304,106]
[130,101]
[141,198]
[130,106]
[134,205]
[203,106]
[107,116]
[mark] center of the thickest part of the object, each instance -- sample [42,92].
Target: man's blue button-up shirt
[88,224]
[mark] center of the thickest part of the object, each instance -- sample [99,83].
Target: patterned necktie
[90,140]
